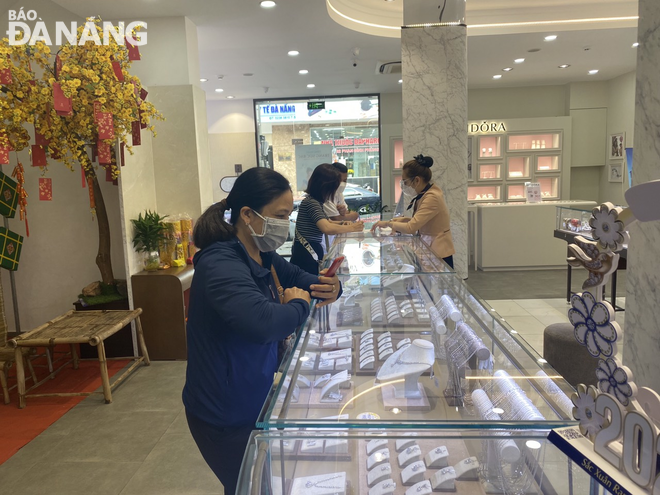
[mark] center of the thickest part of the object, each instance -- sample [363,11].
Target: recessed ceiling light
[593,71]
[248,74]
[203,79]
[519,60]
[552,37]
[497,76]
[293,53]
[400,81]
[230,97]
[218,90]
[507,69]
[635,45]
[311,85]
[303,71]
[267,4]
[564,66]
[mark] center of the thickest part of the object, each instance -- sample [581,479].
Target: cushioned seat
[567,356]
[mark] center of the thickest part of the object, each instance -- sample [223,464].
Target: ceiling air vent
[388,67]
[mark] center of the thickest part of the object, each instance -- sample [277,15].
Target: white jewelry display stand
[404,367]
[381,473]
[414,473]
[443,480]
[377,444]
[409,455]
[405,443]
[377,458]
[386,487]
[467,469]
[421,488]
[437,458]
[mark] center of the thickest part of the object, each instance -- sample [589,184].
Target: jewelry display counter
[360,462]
[411,349]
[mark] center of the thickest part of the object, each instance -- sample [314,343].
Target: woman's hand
[381,225]
[295,293]
[327,289]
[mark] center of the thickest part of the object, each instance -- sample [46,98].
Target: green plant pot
[151,261]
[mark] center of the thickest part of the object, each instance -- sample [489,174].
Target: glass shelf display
[490,171]
[398,462]
[574,220]
[518,167]
[484,193]
[398,153]
[515,192]
[412,350]
[538,141]
[549,187]
[490,146]
[547,163]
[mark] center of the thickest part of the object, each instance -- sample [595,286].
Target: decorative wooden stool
[84,327]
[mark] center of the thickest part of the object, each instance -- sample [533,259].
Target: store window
[295,135]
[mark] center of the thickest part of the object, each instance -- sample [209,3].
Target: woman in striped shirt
[312,222]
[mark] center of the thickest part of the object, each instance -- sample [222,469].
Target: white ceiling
[237,37]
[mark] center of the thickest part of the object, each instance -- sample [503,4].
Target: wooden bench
[78,327]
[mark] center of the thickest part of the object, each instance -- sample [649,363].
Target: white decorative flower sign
[594,324]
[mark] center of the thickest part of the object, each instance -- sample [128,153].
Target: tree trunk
[103,259]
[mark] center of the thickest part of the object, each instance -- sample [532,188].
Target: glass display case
[536,141]
[515,192]
[549,187]
[547,163]
[343,462]
[490,146]
[518,167]
[488,194]
[411,349]
[574,220]
[490,171]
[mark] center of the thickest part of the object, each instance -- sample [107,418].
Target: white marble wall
[434,64]
[642,335]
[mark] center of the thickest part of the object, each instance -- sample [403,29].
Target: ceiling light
[635,45]
[497,76]
[507,69]
[564,66]
[311,85]
[267,4]
[293,53]
[519,60]
[218,90]
[230,97]
[203,79]
[303,71]
[400,81]
[593,71]
[552,37]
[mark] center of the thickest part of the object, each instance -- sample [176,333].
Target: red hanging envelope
[4,156]
[116,66]
[136,133]
[40,139]
[5,74]
[106,125]
[97,111]
[45,189]
[143,94]
[105,156]
[133,50]
[38,156]
[61,103]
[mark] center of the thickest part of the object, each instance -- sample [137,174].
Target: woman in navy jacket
[237,315]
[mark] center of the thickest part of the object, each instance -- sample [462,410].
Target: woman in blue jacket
[238,313]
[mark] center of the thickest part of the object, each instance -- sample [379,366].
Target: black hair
[420,166]
[343,169]
[323,183]
[254,188]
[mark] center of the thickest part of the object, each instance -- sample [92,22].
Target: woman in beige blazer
[430,214]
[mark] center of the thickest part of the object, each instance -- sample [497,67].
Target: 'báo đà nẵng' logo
[20,32]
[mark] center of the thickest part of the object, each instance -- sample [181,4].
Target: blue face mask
[273,234]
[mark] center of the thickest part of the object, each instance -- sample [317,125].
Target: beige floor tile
[525,325]
[550,319]
[533,304]
[508,308]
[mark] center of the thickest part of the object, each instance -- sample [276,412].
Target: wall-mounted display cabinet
[521,150]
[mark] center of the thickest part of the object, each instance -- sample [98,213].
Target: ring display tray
[299,455]
[312,397]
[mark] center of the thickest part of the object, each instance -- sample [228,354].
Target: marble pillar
[642,328]
[434,67]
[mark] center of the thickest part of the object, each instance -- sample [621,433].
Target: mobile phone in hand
[335,266]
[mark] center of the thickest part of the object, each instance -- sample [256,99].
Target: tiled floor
[140,444]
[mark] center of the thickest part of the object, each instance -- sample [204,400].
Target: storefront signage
[334,111]
[315,105]
[486,127]
[279,109]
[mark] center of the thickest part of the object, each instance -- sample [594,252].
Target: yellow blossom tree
[85,100]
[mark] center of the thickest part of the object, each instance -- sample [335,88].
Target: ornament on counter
[5,74]
[19,175]
[594,324]
[106,125]
[116,67]
[38,156]
[45,189]
[584,411]
[136,134]
[133,50]
[616,380]
[585,253]
[105,155]
[607,229]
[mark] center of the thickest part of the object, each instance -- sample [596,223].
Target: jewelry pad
[405,443]
[403,342]
[376,444]
[443,480]
[378,474]
[409,455]
[421,488]
[384,335]
[377,458]
[467,469]
[386,487]
[414,473]
[437,458]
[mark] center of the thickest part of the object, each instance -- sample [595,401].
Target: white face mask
[273,234]
[342,186]
[409,190]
